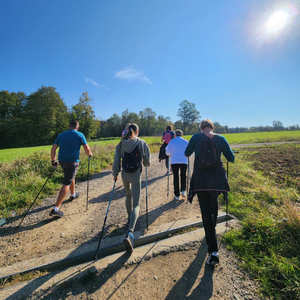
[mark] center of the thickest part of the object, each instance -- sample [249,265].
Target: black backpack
[132,161]
[208,157]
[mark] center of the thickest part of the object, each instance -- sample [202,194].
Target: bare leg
[72,187]
[61,196]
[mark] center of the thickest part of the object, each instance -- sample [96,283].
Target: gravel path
[40,234]
[177,275]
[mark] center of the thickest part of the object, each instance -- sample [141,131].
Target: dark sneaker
[54,213]
[212,260]
[73,197]
[129,242]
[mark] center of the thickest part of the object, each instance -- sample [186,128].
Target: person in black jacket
[209,179]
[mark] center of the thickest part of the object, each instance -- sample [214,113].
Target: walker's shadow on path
[72,284]
[88,273]
[184,285]
[119,193]
[12,229]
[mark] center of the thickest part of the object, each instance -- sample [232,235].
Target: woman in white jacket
[179,161]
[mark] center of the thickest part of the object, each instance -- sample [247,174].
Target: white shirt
[175,150]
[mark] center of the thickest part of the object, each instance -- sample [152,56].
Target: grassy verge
[23,178]
[268,241]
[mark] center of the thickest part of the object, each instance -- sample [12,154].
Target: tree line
[36,119]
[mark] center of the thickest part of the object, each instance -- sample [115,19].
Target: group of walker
[208,179]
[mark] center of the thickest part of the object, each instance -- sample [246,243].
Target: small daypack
[208,157]
[132,161]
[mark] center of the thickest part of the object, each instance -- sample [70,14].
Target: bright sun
[277,21]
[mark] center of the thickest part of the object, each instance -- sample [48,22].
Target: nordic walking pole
[107,210]
[33,202]
[226,193]
[168,188]
[147,217]
[87,184]
[188,178]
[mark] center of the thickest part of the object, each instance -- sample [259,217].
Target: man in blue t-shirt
[69,143]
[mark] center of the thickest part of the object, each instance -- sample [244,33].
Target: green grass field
[9,155]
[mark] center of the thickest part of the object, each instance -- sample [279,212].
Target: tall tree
[147,121]
[11,114]
[278,125]
[112,126]
[84,113]
[189,115]
[45,115]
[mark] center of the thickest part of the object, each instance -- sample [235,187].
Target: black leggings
[175,170]
[208,202]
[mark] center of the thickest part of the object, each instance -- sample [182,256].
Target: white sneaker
[129,242]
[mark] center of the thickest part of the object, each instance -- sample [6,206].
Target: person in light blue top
[69,143]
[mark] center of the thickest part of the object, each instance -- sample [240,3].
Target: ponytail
[132,128]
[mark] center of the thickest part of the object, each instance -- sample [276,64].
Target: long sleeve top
[211,179]
[175,150]
[128,146]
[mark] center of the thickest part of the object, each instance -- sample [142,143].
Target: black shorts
[70,170]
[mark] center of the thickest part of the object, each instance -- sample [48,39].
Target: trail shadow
[33,211]
[155,214]
[99,175]
[120,192]
[152,216]
[98,279]
[184,285]
[10,220]
[34,284]
[86,280]
[10,230]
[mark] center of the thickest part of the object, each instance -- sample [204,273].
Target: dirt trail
[175,275]
[41,234]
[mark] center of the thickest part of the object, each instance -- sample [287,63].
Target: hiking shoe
[129,242]
[212,260]
[54,213]
[73,197]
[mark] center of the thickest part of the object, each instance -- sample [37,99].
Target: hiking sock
[56,209]
[215,253]
[74,195]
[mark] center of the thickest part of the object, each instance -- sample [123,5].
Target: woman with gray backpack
[131,153]
[209,180]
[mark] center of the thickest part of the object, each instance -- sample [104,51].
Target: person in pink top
[166,138]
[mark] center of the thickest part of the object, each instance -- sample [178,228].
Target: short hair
[169,127]
[207,123]
[74,124]
[179,132]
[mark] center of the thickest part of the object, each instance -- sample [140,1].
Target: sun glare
[276,22]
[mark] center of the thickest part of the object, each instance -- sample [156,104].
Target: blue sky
[135,54]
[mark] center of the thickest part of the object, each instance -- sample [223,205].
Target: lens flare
[276,22]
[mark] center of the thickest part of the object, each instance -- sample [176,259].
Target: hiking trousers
[208,201]
[132,185]
[175,170]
